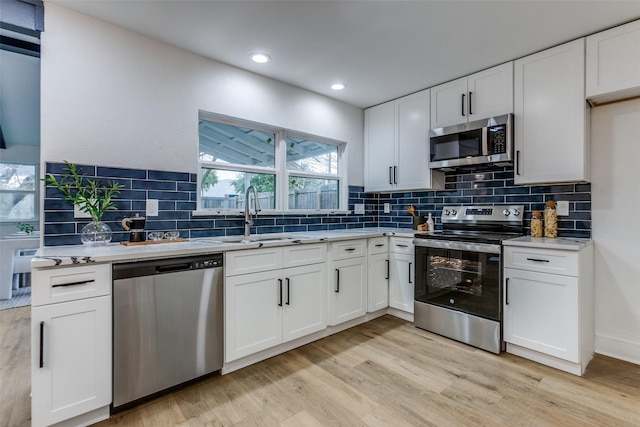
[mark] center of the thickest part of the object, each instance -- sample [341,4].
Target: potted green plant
[91,197]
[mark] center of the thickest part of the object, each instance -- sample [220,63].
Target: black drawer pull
[379,245]
[82,282]
[350,249]
[537,260]
[402,246]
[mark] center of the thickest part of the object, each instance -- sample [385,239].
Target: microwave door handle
[485,141]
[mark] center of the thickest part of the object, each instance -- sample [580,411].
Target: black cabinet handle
[337,280]
[379,245]
[462,104]
[537,260]
[82,282]
[350,249]
[506,292]
[410,281]
[517,162]
[470,113]
[388,268]
[288,291]
[280,286]
[42,344]
[402,246]
[395,174]
[390,175]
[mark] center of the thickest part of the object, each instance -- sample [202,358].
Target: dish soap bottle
[430,223]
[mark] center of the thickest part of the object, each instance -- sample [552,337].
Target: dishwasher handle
[184,266]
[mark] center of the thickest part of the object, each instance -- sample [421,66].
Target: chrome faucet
[248,219]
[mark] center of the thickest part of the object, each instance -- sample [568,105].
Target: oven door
[458,278]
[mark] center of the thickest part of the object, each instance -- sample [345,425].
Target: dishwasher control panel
[207,263]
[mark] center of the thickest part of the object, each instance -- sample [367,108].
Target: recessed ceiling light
[260,58]
[338,86]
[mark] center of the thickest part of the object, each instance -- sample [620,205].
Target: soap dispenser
[430,224]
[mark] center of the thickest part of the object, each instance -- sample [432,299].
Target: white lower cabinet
[71,359]
[269,308]
[401,280]
[541,312]
[548,305]
[378,291]
[71,344]
[348,290]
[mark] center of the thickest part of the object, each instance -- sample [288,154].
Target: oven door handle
[458,246]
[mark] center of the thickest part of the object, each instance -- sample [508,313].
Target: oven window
[459,280]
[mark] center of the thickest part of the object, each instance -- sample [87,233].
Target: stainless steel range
[458,291]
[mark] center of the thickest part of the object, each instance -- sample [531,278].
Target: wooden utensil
[412,210]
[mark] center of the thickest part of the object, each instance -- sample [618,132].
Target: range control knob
[446,212]
[453,211]
[515,212]
[506,212]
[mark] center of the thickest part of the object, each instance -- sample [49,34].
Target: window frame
[280,170]
[35,192]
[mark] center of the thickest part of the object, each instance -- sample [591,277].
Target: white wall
[615,134]
[112,97]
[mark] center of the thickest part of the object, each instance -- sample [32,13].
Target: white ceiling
[381,49]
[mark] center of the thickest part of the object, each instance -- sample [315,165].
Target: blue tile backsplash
[176,193]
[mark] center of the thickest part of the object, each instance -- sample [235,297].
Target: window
[290,171]
[18,192]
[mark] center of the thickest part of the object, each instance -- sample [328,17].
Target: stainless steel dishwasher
[167,324]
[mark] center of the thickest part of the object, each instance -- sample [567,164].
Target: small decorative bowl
[172,235]
[155,235]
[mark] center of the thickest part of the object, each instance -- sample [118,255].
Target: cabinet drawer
[70,283]
[542,260]
[297,255]
[252,261]
[402,245]
[348,249]
[378,245]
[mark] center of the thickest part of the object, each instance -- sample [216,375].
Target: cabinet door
[449,103]
[253,313]
[401,282]
[348,294]
[541,312]
[412,141]
[491,92]
[378,292]
[379,137]
[305,301]
[550,116]
[613,63]
[70,359]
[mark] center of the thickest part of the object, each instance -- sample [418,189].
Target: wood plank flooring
[383,373]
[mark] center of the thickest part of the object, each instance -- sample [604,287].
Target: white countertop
[562,243]
[47,256]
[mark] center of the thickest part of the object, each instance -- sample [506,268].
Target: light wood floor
[383,373]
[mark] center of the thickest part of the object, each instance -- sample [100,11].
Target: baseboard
[618,348]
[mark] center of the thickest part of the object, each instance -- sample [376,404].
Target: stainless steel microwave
[487,141]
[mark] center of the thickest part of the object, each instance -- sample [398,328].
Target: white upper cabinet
[478,96]
[397,147]
[551,116]
[613,64]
